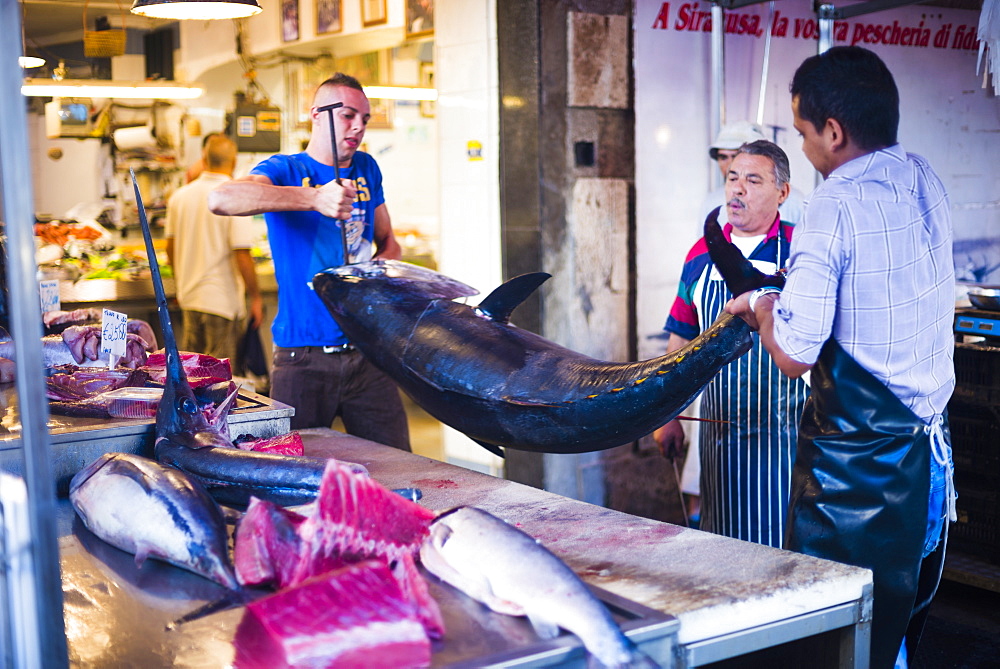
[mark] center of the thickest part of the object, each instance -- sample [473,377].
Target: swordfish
[502,386]
[187,439]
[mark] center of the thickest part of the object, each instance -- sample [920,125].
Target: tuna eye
[188,405]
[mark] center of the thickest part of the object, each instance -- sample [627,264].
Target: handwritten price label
[49,292]
[114,334]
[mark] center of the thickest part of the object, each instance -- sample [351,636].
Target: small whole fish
[153,511]
[511,573]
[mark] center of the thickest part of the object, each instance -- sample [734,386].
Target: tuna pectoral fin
[141,553]
[544,628]
[492,448]
[499,304]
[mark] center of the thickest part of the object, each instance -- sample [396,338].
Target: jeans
[322,386]
[941,503]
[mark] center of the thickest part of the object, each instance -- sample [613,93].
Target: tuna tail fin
[499,304]
[740,276]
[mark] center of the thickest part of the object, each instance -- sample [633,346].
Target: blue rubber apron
[746,464]
[860,491]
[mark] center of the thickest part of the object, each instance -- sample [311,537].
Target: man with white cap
[725,147]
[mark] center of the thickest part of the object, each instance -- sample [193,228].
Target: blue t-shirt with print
[304,243]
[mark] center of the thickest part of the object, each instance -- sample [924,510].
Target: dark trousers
[321,386]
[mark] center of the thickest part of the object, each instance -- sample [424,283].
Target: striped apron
[746,464]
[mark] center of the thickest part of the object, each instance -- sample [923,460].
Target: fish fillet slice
[357,518]
[353,617]
[266,545]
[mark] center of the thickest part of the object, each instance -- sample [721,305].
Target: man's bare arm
[386,245]
[245,265]
[762,320]
[255,194]
[670,436]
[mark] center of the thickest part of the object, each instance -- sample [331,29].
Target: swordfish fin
[174,369]
[738,273]
[499,304]
[178,413]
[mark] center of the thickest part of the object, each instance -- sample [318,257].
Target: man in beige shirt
[210,254]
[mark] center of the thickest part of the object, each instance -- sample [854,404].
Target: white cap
[734,135]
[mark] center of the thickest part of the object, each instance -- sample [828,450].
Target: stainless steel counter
[77,441]
[730,597]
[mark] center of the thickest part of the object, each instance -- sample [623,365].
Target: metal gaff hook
[336,168]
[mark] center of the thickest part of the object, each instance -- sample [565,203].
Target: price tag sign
[49,291]
[114,334]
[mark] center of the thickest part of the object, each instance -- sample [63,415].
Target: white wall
[431,182]
[946,116]
[468,103]
[61,184]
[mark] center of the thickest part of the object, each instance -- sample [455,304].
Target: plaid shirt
[872,266]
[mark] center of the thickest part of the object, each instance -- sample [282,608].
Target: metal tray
[985,297]
[116,615]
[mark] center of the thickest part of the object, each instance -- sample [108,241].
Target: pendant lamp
[196,9]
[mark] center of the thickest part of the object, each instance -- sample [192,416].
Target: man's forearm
[245,265]
[246,198]
[764,314]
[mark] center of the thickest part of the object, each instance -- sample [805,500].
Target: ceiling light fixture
[96,88]
[28,62]
[400,93]
[196,9]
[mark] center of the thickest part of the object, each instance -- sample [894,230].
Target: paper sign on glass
[114,334]
[49,292]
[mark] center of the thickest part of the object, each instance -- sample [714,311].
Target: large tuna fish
[504,386]
[511,573]
[153,511]
[188,440]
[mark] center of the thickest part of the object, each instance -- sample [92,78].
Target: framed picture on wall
[289,20]
[328,17]
[373,12]
[382,112]
[419,17]
[427,107]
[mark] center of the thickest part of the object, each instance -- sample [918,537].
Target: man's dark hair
[853,86]
[341,79]
[762,147]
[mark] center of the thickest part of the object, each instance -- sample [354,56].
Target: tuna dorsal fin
[501,302]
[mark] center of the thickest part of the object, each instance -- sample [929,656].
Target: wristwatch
[755,295]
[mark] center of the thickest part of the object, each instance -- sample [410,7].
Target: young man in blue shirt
[315,369]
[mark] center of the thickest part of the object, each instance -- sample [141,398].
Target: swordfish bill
[502,386]
[186,439]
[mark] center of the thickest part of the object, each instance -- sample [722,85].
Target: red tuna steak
[355,617]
